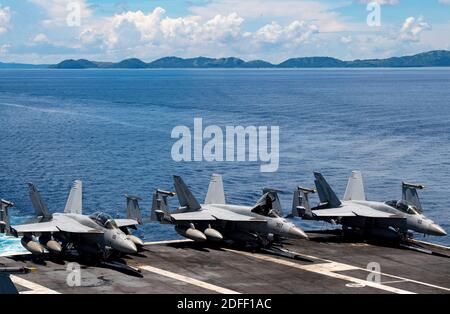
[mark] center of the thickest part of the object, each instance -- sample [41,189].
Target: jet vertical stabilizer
[326,194]
[355,188]
[74,204]
[216,193]
[187,200]
[133,209]
[39,205]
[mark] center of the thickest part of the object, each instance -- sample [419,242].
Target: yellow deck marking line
[188,280]
[34,287]
[328,269]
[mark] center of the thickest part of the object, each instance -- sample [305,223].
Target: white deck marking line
[408,280]
[393,281]
[188,280]
[34,287]
[327,269]
[380,273]
[11,254]
[432,244]
[166,242]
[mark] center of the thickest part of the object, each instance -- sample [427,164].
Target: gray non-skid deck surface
[188,268]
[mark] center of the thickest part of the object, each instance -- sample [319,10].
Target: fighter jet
[95,235]
[215,220]
[356,214]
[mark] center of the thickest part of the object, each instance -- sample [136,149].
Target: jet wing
[49,226]
[351,212]
[227,215]
[126,222]
[194,216]
[216,214]
[58,223]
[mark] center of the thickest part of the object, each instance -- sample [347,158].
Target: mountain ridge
[436,58]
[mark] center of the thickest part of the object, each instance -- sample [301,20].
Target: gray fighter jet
[356,214]
[216,221]
[95,235]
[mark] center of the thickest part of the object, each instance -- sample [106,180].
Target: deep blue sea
[112,130]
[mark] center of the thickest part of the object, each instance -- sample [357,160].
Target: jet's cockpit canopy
[104,220]
[403,207]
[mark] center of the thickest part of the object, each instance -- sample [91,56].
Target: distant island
[438,58]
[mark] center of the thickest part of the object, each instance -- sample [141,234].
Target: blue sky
[38,31]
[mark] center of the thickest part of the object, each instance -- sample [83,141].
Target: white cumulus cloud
[190,35]
[40,38]
[297,32]
[5,19]
[59,10]
[381,2]
[412,29]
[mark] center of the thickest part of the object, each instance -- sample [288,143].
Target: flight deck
[324,264]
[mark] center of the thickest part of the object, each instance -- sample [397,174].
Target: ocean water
[112,129]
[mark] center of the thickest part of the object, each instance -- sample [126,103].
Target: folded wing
[217,214]
[58,223]
[351,212]
[126,222]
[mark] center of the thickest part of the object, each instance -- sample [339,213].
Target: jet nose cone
[126,246]
[135,240]
[438,230]
[297,233]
